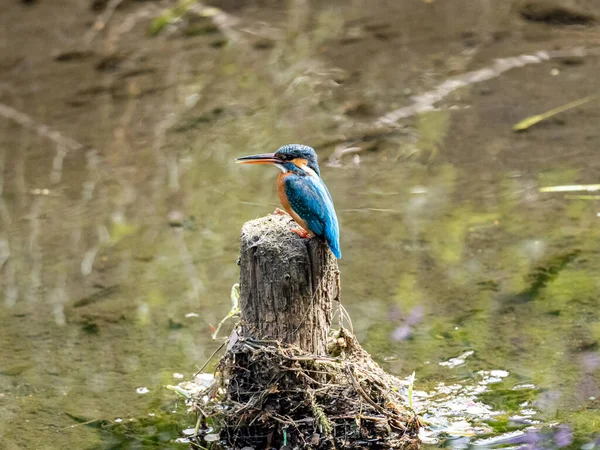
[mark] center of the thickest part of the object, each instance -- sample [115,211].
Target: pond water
[120,206]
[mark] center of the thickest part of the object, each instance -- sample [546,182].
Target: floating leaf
[179,390]
[530,121]
[572,188]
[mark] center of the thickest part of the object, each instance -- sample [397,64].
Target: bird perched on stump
[302,192]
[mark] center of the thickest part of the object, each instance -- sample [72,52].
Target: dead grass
[267,394]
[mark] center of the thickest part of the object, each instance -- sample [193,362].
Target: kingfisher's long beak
[264,158]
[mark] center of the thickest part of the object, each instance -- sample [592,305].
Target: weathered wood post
[281,382]
[287,284]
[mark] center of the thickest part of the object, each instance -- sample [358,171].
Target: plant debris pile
[267,394]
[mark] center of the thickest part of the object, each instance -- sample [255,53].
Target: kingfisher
[302,192]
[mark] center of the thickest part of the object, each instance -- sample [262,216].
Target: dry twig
[344,400]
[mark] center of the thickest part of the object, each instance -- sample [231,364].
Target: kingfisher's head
[289,158]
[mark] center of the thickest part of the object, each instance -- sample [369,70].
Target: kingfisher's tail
[332,233]
[334,245]
[336,251]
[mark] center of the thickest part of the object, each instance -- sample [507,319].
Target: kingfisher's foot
[302,233]
[280,212]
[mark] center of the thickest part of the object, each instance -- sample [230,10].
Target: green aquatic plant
[504,398]
[169,16]
[569,288]
[545,272]
[160,431]
[174,14]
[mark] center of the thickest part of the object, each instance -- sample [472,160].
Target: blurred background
[120,205]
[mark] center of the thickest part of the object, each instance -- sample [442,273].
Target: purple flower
[415,315]
[531,439]
[402,333]
[563,436]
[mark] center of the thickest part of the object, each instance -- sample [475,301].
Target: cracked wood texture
[287,284]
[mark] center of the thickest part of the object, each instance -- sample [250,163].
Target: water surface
[118,251]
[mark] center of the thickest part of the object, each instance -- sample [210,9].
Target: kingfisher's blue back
[310,199]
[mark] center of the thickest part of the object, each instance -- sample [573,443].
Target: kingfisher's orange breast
[286,203]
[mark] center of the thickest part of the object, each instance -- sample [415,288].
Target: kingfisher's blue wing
[310,199]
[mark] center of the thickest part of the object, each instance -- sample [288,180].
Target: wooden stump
[287,284]
[281,382]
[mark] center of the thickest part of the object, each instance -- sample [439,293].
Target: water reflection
[121,208]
